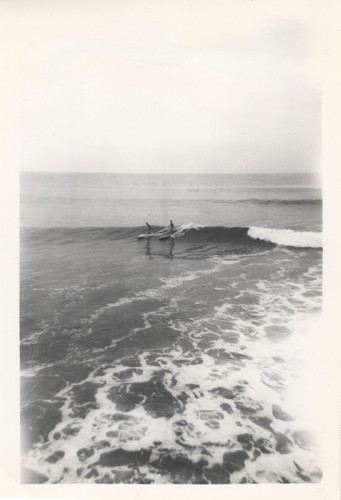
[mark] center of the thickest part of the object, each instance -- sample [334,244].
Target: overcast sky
[127,86]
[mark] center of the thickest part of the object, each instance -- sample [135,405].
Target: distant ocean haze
[128,200]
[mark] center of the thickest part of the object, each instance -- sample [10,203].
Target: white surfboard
[165,236]
[159,234]
[145,235]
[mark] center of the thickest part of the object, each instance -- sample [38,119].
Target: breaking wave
[284,237]
[231,237]
[287,237]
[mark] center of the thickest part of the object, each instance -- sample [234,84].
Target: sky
[162,87]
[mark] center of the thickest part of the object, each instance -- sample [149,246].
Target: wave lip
[185,228]
[287,237]
[237,238]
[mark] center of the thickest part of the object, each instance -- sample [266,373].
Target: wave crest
[287,237]
[238,239]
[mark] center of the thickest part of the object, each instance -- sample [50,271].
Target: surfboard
[159,234]
[165,236]
[145,235]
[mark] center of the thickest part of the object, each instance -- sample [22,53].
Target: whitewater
[285,237]
[169,361]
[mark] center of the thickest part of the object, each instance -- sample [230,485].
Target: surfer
[149,228]
[171,226]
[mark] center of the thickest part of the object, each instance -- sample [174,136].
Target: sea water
[168,361]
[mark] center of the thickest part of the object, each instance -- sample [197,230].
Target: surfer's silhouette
[149,228]
[171,226]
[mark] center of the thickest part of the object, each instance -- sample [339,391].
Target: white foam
[302,399]
[287,237]
[182,230]
[258,382]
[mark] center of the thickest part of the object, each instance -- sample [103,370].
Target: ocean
[180,360]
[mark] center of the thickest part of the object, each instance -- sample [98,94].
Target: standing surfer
[149,228]
[171,226]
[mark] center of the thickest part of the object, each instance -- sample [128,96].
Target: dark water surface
[168,361]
